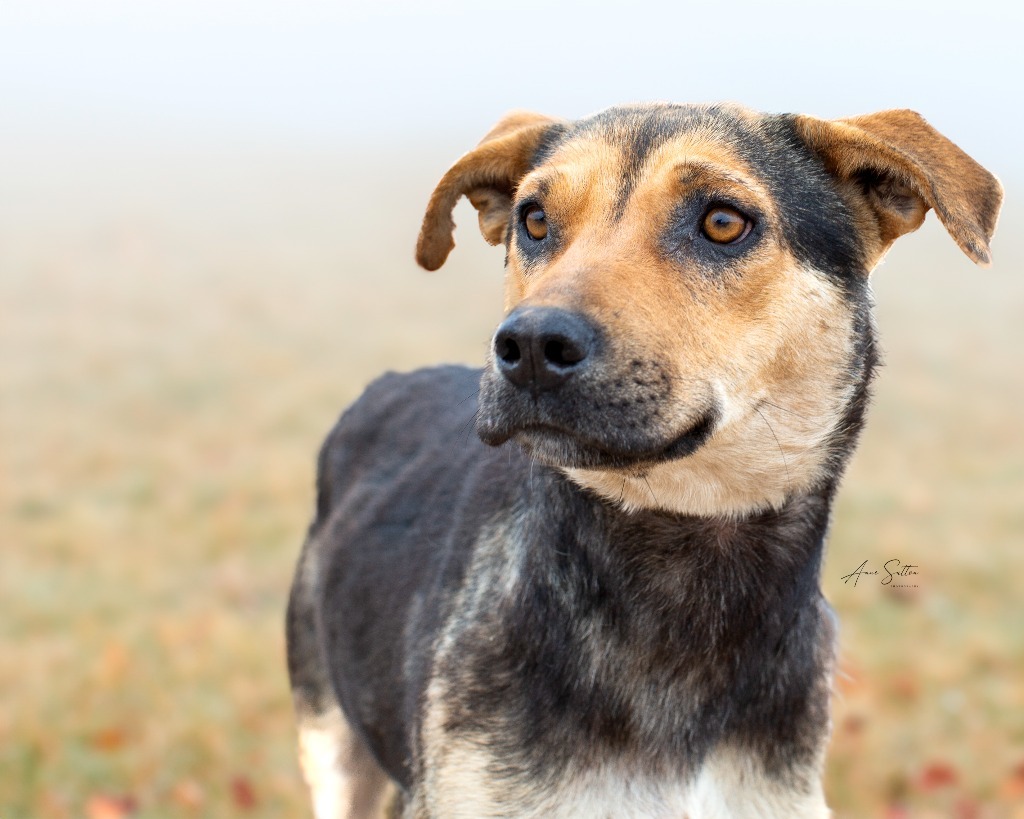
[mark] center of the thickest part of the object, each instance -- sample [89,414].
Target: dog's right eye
[536,222]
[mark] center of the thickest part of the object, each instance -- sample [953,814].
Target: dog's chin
[570,449]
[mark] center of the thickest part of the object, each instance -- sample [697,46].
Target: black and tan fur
[608,605]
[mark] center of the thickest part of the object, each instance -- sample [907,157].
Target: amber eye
[536,222]
[724,225]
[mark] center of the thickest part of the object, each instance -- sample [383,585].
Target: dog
[607,602]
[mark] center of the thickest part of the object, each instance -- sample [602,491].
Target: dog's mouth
[556,445]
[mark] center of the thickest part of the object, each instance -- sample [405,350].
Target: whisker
[777,443]
[784,409]
[469,424]
[656,502]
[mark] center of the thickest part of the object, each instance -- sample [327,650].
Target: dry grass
[172,350]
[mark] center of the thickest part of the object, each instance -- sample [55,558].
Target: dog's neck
[739,566]
[689,631]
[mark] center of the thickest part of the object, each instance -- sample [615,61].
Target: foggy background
[207,218]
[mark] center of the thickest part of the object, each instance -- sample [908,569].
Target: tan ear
[488,175]
[903,167]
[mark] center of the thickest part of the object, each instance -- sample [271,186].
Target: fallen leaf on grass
[904,687]
[1012,787]
[854,724]
[109,739]
[242,792]
[937,775]
[103,806]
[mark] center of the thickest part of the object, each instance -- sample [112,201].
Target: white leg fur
[343,777]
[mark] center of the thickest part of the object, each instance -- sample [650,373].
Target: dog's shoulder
[400,420]
[402,406]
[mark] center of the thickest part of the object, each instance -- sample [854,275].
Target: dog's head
[687,290]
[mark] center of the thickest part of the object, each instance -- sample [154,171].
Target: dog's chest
[550,699]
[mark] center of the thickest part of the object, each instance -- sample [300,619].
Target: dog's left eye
[724,225]
[536,222]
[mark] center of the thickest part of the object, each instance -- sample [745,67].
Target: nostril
[563,353]
[540,348]
[508,351]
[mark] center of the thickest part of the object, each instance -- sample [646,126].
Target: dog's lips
[563,447]
[598,422]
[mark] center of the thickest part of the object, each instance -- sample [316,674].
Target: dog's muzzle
[572,399]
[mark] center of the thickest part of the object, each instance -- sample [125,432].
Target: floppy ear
[903,167]
[488,175]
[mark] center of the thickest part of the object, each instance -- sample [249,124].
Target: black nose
[539,348]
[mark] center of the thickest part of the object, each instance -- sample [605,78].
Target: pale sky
[125,72]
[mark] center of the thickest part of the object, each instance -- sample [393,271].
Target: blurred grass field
[177,333]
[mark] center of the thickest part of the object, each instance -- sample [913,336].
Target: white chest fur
[730,785]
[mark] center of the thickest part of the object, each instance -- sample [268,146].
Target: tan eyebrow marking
[697,171]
